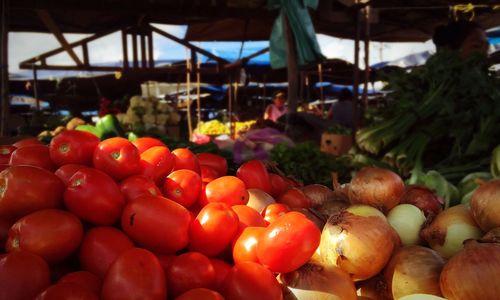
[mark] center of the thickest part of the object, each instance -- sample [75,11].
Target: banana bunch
[243,126]
[213,127]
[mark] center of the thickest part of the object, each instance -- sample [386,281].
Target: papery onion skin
[374,288]
[473,273]
[492,236]
[485,205]
[407,220]
[259,200]
[319,194]
[377,187]
[421,297]
[413,270]
[425,199]
[450,229]
[359,245]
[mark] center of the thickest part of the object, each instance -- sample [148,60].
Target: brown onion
[360,245]
[450,229]
[377,187]
[374,288]
[313,281]
[473,273]
[258,199]
[485,205]
[492,236]
[319,194]
[424,198]
[422,297]
[413,270]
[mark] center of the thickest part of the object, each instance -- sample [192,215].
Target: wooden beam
[52,26]
[292,67]
[125,49]
[85,50]
[151,58]
[144,63]
[243,60]
[135,51]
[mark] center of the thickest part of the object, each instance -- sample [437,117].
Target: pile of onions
[314,282]
[423,198]
[324,200]
[377,187]
[258,199]
[473,273]
[358,240]
[421,297]
[492,236]
[374,288]
[485,205]
[414,270]
[407,220]
[450,229]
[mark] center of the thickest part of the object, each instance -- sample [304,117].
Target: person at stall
[276,109]
[341,112]
[464,36]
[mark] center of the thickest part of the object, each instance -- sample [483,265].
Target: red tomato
[66,291]
[200,294]
[138,185]
[23,275]
[278,185]
[288,243]
[85,279]
[5,153]
[183,186]
[213,229]
[144,143]
[3,167]
[188,271]
[94,197]
[165,261]
[185,159]
[295,198]
[36,156]
[227,189]
[157,223]
[4,231]
[245,245]
[65,172]
[214,161]
[51,233]
[135,274]
[73,147]
[156,163]
[221,268]
[208,174]
[100,247]
[274,211]
[26,189]
[27,142]
[249,281]
[202,200]
[254,174]
[248,216]
[117,157]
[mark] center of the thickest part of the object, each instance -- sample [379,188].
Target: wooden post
[125,49]
[4,68]
[35,87]
[230,104]
[364,105]
[292,65]
[188,94]
[321,92]
[355,85]
[135,50]
[151,58]
[198,91]
[143,50]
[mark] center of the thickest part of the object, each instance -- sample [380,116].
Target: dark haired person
[277,109]
[464,36]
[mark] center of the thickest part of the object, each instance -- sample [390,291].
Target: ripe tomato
[288,243]
[51,233]
[156,163]
[213,229]
[144,143]
[36,156]
[165,261]
[65,172]
[227,189]
[188,271]
[73,147]
[138,185]
[66,291]
[94,197]
[135,274]
[183,187]
[185,159]
[26,189]
[4,231]
[295,198]
[214,161]
[5,153]
[85,279]
[278,185]
[274,211]
[200,293]
[27,142]
[254,174]
[23,275]
[157,223]
[248,281]
[3,167]
[100,247]
[207,174]
[248,216]
[245,245]
[117,157]
[221,268]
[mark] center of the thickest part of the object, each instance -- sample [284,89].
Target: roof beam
[52,26]
[243,60]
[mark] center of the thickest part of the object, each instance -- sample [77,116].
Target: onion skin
[485,205]
[413,270]
[359,245]
[319,194]
[377,187]
[473,273]
[407,220]
[374,288]
[425,199]
[421,297]
[492,236]
[259,200]
[450,229]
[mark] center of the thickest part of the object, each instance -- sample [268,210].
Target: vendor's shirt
[275,112]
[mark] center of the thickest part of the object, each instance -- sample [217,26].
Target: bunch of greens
[338,129]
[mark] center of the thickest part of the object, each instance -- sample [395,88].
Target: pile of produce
[119,219]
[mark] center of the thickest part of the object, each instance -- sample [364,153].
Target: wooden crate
[335,144]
